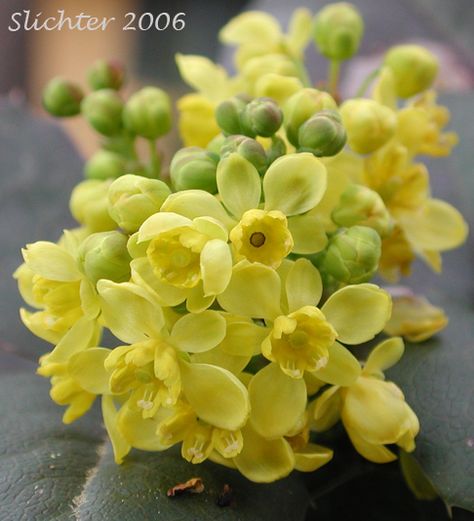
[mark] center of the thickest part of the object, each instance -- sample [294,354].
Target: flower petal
[196,301]
[251,27]
[216,395]
[140,432]
[50,261]
[294,183]
[308,233]
[264,461]
[195,333]
[253,291]
[203,75]
[161,222]
[358,312]
[243,337]
[371,451]
[312,457]
[303,285]
[277,401]
[384,355]
[128,311]
[119,444]
[87,368]
[327,409]
[216,266]
[342,367]
[238,183]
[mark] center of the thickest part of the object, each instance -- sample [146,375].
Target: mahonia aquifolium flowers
[238,289]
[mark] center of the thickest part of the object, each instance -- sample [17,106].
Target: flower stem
[367,81]
[154,167]
[334,73]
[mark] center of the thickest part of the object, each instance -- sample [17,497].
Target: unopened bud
[104,255]
[194,168]
[247,147]
[105,165]
[62,98]
[414,69]
[133,198]
[148,113]
[88,205]
[228,115]
[301,106]
[261,117]
[103,110]
[352,255]
[369,124]
[106,75]
[276,149]
[323,134]
[359,205]
[338,31]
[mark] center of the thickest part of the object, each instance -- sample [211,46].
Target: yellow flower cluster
[239,294]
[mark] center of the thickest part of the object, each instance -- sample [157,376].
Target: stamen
[257,239]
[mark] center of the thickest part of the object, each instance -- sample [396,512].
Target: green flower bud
[104,255]
[338,31]
[106,75]
[133,198]
[103,110]
[323,134]
[148,113]
[261,117]
[352,255]
[62,98]
[301,106]
[247,147]
[360,205]
[228,115]
[214,146]
[105,165]
[194,168]
[88,205]
[276,149]
[369,124]
[414,69]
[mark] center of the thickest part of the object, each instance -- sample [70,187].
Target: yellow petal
[161,222]
[87,369]
[195,333]
[342,367]
[294,183]
[308,234]
[196,301]
[437,226]
[216,266]
[327,409]
[139,432]
[50,261]
[253,291]
[312,457]
[384,355]
[128,311]
[303,285]
[197,125]
[215,395]
[243,337]
[251,27]
[203,75]
[358,312]
[300,30]
[238,183]
[371,451]
[119,444]
[90,302]
[264,461]
[277,401]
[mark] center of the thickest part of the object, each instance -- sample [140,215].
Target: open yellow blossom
[373,411]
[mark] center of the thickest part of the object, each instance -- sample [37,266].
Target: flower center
[257,239]
[298,339]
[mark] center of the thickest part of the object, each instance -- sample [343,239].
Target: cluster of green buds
[236,284]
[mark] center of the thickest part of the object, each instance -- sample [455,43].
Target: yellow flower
[373,411]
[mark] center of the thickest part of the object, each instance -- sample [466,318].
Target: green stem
[303,73]
[367,81]
[154,167]
[334,73]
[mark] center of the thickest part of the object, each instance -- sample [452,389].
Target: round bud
[88,205]
[414,69]
[261,117]
[301,106]
[247,147]
[338,31]
[369,124]
[103,110]
[276,149]
[352,255]
[105,165]
[62,98]
[148,113]
[323,134]
[228,115]
[133,198]
[359,205]
[194,168]
[106,75]
[104,255]
[214,146]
